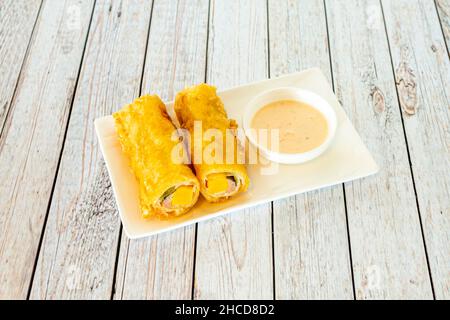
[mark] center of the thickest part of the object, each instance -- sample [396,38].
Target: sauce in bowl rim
[296,94]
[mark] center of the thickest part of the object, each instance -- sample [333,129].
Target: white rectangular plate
[346,159]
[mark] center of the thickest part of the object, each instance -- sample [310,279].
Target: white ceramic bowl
[290,93]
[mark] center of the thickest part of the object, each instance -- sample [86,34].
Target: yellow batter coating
[218,181]
[145,133]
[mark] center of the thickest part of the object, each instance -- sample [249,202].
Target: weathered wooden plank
[79,248]
[422,72]
[30,146]
[161,267]
[443,8]
[17,19]
[311,249]
[388,255]
[234,252]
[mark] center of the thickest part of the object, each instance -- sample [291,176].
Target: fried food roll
[145,132]
[224,178]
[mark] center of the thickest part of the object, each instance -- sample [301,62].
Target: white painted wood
[388,255]
[422,71]
[31,143]
[443,7]
[234,252]
[80,244]
[311,250]
[161,267]
[17,18]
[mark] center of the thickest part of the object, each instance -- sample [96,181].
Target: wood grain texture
[17,18]
[79,248]
[388,255]
[234,252]
[31,143]
[161,267]
[311,249]
[422,71]
[443,8]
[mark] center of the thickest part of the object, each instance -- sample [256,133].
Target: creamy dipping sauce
[301,127]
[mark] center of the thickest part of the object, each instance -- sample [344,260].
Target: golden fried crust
[145,133]
[202,103]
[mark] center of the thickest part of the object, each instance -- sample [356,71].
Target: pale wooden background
[65,63]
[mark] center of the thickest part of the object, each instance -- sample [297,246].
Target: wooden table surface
[65,63]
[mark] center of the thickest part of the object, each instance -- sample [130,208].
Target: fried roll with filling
[222,179]
[145,132]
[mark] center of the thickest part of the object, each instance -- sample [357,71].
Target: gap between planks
[163,254]
[343,185]
[116,264]
[7,109]
[408,153]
